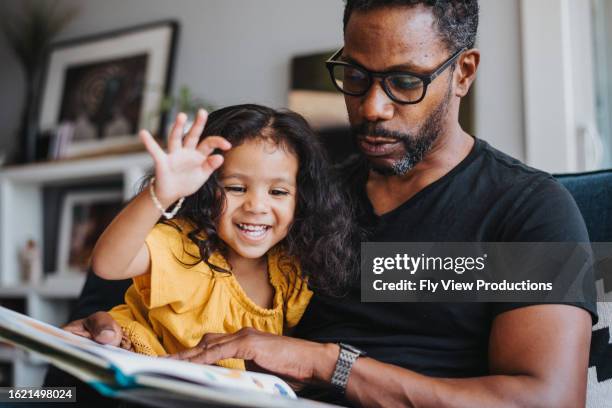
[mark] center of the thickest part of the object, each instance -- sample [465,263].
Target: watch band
[347,357]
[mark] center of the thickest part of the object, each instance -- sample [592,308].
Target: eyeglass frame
[426,79]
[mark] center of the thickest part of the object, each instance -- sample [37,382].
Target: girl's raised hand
[187,164]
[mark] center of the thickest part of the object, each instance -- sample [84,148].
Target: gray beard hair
[416,146]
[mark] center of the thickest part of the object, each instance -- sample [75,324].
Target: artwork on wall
[314,96]
[84,216]
[107,87]
[312,93]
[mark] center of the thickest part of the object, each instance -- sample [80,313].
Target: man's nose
[375,104]
[256,202]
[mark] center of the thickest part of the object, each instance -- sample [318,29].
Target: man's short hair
[456,20]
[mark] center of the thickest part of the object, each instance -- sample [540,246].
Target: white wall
[602,15]
[499,89]
[559,82]
[229,51]
[233,51]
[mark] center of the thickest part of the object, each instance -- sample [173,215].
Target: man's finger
[206,342]
[213,354]
[80,332]
[214,339]
[75,324]
[243,337]
[203,344]
[208,338]
[104,329]
[77,327]
[186,354]
[192,138]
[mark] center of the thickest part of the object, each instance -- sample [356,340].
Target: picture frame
[108,86]
[312,93]
[83,218]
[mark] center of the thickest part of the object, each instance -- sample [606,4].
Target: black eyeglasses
[400,86]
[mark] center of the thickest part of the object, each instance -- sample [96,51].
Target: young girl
[235,244]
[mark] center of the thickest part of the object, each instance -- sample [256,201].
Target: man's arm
[538,357]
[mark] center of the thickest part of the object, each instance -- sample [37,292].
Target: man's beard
[416,145]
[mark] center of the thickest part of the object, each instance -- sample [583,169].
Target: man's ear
[465,71]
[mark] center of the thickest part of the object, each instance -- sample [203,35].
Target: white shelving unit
[21,218]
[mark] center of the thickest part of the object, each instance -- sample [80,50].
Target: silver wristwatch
[347,357]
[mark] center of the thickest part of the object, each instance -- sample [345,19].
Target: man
[404,68]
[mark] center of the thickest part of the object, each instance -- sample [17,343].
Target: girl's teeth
[253,227]
[255,234]
[253,231]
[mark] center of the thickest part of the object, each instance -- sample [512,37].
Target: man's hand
[296,359]
[99,327]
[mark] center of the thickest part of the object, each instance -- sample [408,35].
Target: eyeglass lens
[355,81]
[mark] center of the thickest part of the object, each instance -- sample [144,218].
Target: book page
[128,366]
[132,364]
[41,335]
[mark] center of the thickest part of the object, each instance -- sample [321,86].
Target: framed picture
[108,86]
[312,93]
[83,218]
[314,96]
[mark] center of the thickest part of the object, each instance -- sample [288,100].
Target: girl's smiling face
[259,179]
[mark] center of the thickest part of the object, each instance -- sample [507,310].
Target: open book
[157,381]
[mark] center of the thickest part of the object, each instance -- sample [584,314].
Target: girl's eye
[235,189]
[277,192]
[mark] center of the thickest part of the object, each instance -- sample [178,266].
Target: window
[602,39]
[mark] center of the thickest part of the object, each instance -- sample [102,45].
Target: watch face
[352,349]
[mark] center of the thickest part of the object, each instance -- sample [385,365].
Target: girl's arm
[120,252]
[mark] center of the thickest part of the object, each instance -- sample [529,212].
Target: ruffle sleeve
[132,318]
[174,277]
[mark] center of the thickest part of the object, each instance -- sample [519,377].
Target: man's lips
[380,139]
[378,146]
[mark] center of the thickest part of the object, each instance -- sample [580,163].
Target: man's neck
[389,192]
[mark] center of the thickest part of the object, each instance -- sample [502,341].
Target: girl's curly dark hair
[323,237]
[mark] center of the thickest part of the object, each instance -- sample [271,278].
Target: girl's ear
[220,196]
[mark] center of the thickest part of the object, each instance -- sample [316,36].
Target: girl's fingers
[151,145]
[208,145]
[175,139]
[212,163]
[192,138]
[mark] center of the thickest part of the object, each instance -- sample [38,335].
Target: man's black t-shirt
[488,197]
